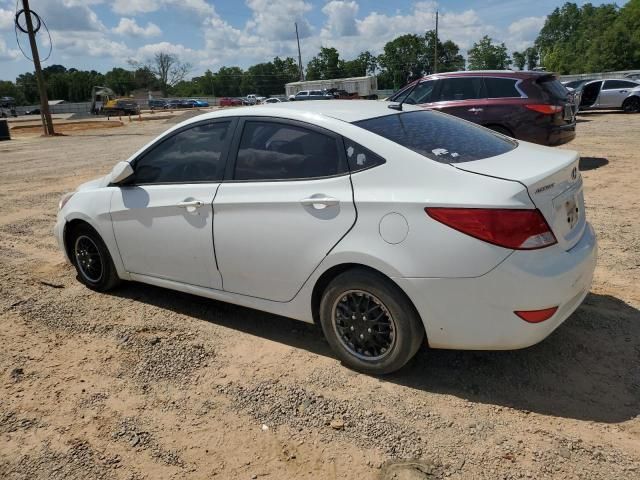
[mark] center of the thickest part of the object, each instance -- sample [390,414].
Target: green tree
[327,64]
[10,89]
[588,38]
[121,81]
[519,60]
[486,55]
[404,58]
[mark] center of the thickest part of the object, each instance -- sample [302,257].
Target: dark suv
[530,106]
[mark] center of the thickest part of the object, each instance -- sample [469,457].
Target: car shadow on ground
[588,369]
[591,163]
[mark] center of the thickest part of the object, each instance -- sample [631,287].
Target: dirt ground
[144,383]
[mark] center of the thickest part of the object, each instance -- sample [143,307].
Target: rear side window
[501,88]
[192,155]
[614,84]
[360,158]
[463,88]
[553,88]
[439,137]
[278,151]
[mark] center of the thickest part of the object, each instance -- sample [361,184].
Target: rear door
[461,97]
[502,98]
[614,92]
[287,202]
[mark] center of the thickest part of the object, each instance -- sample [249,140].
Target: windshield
[553,87]
[438,136]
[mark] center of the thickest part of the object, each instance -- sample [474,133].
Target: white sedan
[390,229]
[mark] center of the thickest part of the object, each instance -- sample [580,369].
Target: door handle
[475,110]
[319,201]
[624,91]
[190,203]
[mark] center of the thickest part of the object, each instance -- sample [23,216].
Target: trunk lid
[552,179]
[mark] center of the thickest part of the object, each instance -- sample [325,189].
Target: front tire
[369,322]
[92,260]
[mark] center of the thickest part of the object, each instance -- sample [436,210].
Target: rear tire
[91,259]
[631,105]
[369,322]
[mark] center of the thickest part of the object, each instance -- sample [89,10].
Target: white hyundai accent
[385,227]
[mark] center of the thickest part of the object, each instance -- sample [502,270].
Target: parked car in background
[611,94]
[252,99]
[530,106]
[272,100]
[33,111]
[176,103]
[475,241]
[230,102]
[198,103]
[573,84]
[312,95]
[157,103]
[7,107]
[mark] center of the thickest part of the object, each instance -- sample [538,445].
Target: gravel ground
[144,383]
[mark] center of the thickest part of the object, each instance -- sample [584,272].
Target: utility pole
[435,48]
[47,123]
[299,55]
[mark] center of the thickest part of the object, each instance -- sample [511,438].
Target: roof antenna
[398,106]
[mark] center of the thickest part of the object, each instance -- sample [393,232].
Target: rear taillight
[544,108]
[508,228]
[536,316]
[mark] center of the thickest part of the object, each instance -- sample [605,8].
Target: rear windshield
[440,137]
[553,87]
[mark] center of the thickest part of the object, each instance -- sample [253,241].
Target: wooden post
[42,87]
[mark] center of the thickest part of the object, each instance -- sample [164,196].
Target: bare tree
[167,68]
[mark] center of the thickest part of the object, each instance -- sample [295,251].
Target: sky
[102,34]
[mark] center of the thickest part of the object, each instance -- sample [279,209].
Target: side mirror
[120,172]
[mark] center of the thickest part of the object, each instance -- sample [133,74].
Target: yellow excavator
[105,102]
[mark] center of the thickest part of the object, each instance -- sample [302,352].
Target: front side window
[302,94]
[278,151]
[501,87]
[463,88]
[439,137]
[420,94]
[192,155]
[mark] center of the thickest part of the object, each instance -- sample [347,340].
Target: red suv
[530,106]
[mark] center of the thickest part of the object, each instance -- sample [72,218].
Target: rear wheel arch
[325,279]
[631,104]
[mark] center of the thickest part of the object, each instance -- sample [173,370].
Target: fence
[599,76]
[85,107]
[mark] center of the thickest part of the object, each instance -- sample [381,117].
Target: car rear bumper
[477,313]
[548,135]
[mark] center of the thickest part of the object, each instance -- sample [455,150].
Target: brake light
[536,316]
[509,228]
[544,108]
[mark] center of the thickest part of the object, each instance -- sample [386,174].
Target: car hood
[95,183]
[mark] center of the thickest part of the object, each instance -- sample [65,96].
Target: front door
[287,203]
[163,217]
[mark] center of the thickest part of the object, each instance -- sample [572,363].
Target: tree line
[574,39]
